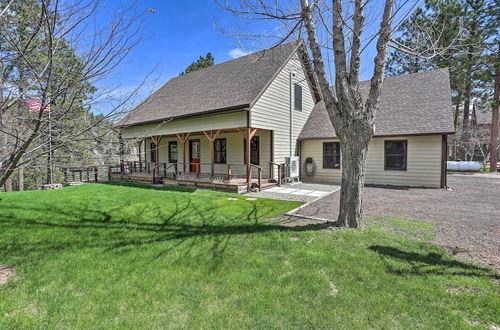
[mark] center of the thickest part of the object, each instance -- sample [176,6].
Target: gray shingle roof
[411,104]
[232,84]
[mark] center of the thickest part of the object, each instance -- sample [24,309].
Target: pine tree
[201,63]
[68,116]
[456,34]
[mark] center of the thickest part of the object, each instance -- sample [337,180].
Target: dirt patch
[6,273]
[484,325]
[333,289]
[459,289]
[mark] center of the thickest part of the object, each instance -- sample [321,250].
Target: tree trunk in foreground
[351,116]
[20,175]
[494,120]
[353,179]
[467,103]
[7,186]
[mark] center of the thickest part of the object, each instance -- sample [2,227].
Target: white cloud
[237,52]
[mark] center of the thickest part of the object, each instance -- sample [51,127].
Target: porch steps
[265,184]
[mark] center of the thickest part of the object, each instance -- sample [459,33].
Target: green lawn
[114,256]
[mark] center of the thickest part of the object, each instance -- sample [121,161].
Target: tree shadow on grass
[423,264]
[182,226]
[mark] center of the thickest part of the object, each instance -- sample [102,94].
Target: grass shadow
[186,223]
[432,263]
[151,187]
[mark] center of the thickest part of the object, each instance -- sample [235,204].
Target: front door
[153,152]
[194,155]
[254,151]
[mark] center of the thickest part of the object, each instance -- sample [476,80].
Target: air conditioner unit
[292,169]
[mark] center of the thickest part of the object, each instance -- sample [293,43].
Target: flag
[35,104]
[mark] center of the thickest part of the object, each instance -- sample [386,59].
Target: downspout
[292,74]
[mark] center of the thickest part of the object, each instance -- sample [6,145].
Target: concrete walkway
[302,192]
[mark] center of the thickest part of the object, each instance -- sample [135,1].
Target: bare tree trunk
[468,88]
[50,165]
[353,179]
[494,119]
[468,96]
[8,185]
[352,118]
[455,124]
[122,154]
[20,175]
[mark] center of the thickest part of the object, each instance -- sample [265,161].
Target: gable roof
[412,104]
[235,84]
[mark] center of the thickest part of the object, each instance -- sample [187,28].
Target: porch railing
[259,176]
[272,166]
[81,173]
[160,170]
[228,173]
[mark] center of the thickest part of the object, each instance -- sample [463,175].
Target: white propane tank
[464,166]
[452,166]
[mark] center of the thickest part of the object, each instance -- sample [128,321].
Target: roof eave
[379,136]
[237,108]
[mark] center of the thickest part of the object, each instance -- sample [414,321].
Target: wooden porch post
[122,153]
[248,134]
[139,145]
[183,138]
[211,136]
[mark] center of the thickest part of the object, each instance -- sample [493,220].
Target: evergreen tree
[201,63]
[453,34]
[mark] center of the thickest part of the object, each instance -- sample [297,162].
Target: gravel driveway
[468,218]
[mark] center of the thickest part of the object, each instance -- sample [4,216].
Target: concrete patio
[302,192]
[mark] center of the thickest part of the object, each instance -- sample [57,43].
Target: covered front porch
[231,159]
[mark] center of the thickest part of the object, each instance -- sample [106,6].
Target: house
[241,119]
[482,122]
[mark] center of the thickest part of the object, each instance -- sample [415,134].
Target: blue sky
[176,35]
[178,32]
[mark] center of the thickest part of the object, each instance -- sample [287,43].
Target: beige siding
[234,145]
[203,123]
[314,149]
[272,109]
[423,167]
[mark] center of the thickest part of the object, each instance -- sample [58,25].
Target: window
[297,92]
[172,151]
[254,150]
[331,154]
[395,155]
[153,152]
[220,151]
